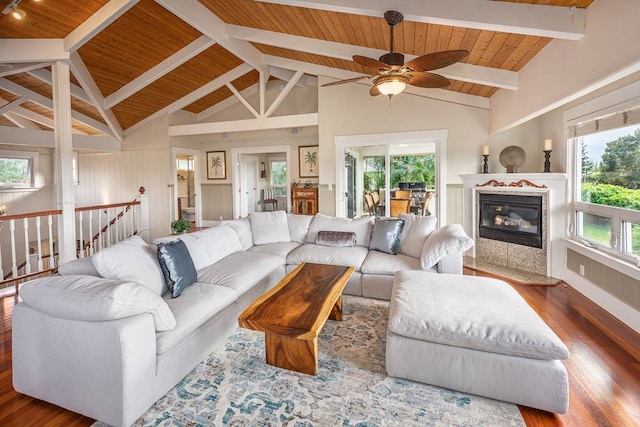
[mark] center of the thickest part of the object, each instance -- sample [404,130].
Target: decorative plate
[512,158]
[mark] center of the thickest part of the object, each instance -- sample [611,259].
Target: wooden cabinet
[305,200]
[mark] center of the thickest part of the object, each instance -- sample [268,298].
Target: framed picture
[308,161]
[216,165]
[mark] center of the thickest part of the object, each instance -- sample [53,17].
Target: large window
[279,176]
[607,199]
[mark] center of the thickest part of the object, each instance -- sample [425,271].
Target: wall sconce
[263,171]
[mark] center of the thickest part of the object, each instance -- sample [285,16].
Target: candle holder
[485,166]
[547,162]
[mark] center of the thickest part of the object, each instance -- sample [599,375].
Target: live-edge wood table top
[300,304]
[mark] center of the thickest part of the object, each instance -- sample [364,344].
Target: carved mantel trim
[521,183]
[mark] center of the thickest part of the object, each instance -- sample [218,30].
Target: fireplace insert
[511,218]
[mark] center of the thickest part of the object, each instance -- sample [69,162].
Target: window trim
[36,179]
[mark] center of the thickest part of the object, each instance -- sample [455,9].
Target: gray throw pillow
[336,238]
[177,266]
[386,235]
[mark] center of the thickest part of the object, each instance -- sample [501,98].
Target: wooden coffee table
[293,312]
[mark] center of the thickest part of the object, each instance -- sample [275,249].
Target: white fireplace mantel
[553,184]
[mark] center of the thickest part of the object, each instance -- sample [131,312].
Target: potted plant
[180,226]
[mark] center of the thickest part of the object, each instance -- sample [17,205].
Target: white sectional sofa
[106,338]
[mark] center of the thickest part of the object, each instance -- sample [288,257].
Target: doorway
[243,160]
[186,201]
[382,164]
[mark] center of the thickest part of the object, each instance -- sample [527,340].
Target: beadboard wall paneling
[455,198]
[217,201]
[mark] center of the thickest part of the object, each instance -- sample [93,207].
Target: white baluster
[12,231]
[92,247]
[80,232]
[39,241]
[99,230]
[27,252]
[117,237]
[1,270]
[52,261]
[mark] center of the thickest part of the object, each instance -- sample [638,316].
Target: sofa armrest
[94,368]
[448,240]
[451,264]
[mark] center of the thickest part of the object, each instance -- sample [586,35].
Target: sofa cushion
[269,227]
[386,235]
[196,249]
[130,260]
[218,241]
[479,313]
[81,266]
[176,265]
[415,232]
[279,249]
[243,228]
[233,271]
[382,263]
[336,238]
[361,226]
[91,298]
[444,241]
[348,257]
[197,304]
[298,227]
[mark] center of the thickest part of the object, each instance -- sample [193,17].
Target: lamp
[12,9]
[391,84]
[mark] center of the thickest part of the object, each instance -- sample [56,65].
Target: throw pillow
[361,226]
[336,238]
[177,266]
[95,299]
[386,235]
[218,242]
[130,260]
[269,227]
[415,232]
[298,227]
[243,228]
[448,240]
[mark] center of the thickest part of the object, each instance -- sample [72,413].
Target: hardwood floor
[604,368]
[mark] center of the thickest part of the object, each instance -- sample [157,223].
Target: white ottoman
[476,335]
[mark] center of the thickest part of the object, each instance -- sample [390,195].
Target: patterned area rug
[234,386]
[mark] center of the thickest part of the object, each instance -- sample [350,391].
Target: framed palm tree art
[308,161]
[216,165]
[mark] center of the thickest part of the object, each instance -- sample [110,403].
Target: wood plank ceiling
[128,58]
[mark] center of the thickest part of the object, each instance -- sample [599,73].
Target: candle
[485,150]
[547,144]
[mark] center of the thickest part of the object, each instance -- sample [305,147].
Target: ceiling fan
[391,74]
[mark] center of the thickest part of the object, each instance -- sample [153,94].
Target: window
[607,199]
[16,172]
[279,176]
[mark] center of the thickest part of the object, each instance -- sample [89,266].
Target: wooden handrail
[111,205]
[30,215]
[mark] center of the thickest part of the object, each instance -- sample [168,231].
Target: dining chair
[398,206]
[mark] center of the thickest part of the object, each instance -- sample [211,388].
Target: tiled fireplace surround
[548,260]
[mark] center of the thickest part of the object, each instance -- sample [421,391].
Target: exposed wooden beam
[201,18]
[519,18]
[96,23]
[488,76]
[286,75]
[213,85]
[19,121]
[261,123]
[22,68]
[76,91]
[32,50]
[283,94]
[44,138]
[13,104]
[16,89]
[338,74]
[33,118]
[222,105]
[243,100]
[86,81]
[171,63]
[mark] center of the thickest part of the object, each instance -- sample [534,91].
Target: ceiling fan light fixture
[391,85]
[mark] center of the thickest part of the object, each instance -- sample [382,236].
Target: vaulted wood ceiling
[135,60]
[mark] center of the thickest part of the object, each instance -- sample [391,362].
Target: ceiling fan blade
[429,80]
[339,82]
[434,61]
[371,63]
[374,91]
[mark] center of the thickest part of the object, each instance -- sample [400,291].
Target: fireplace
[511,218]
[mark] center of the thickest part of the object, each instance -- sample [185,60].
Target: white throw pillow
[444,241]
[363,227]
[218,242]
[131,260]
[269,227]
[243,228]
[298,227]
[95,299]
[415,232]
